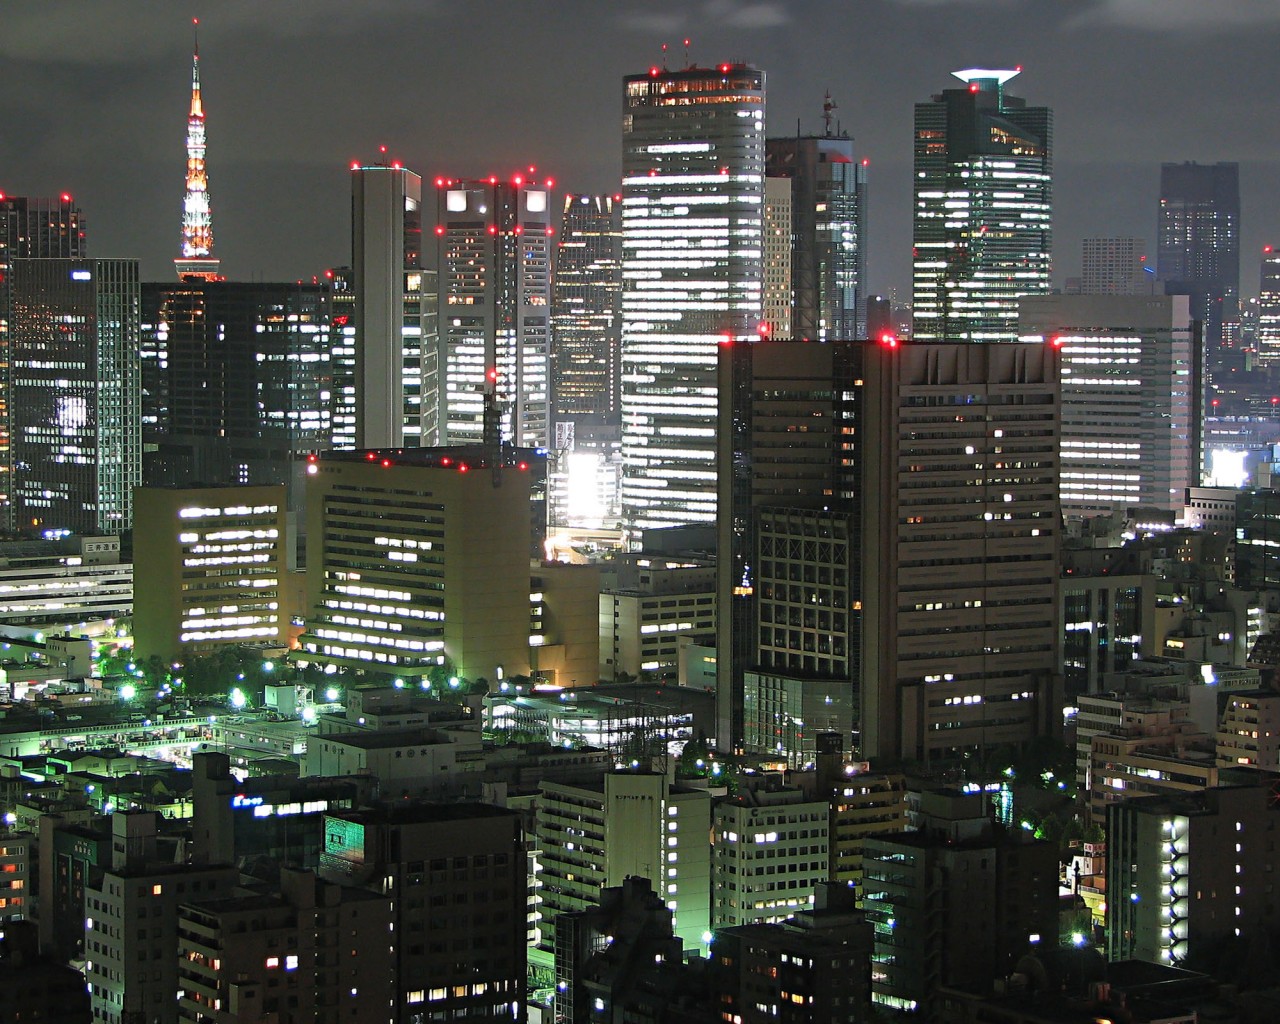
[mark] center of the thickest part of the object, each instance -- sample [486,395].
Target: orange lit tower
[197,258]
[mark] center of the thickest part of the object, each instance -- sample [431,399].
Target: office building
[647,604]
[59,582]
[493,253]
[957,903]
[1108,609]
[863,804]
[1198,245]
[30,228]
[1115,266]
[828,232]
[131,970]
[692,223]
[311,950]
[851,500]
[457,873]
[770,849]
[1129,384]
[76,428]
[1269,307]
[213,561]
[422,559]
[1185,872]
[586,310]
[394,360]
[237,382]
[1257,533]
[982,229]
[775,317]
[196,261]
[594,835]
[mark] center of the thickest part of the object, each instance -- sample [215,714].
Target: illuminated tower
[494,250]
[197,258]
[692,275]
[982,230]
[1269,306]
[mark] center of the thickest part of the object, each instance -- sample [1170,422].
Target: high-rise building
[237,382]
[692,223]
[1128,398]
[197,259]
[393,366]
[493,246]
[422,555]
[850,501]
[1115,266]
[776,312]
[1269,306]
[983,233]
[586,313]
[77,444]
[828,232]
[1198,244]
[29,229]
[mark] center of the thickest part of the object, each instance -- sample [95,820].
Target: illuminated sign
[240,800]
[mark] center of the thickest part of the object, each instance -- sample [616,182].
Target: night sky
[94,94]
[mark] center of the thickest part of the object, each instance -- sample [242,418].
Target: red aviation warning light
[889,340]
[66,197]
[973,86]
[762,329]
[1056,341]
[492,375]
[724,69]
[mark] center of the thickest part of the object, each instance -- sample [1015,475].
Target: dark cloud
[95,102]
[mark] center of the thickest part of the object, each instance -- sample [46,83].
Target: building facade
[75,376]
[1269,306]
[982,228]
[1115,266]
[493,253]
[692,223]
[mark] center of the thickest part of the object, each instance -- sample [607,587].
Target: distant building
[1198,244]
[1269,306]
[457,942]
[1116,266]
[647,603]
[693,164]
[828,232]
[1249,733]
[60,582]
[212,562]
[493,251]
[982,228]
[1129,378]
[777,292]
[76,423]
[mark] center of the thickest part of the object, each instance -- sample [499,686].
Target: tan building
[863,804]
[209,565]
[419,558]
[1249,734]
[564,633]
[647,603]
[1124,767]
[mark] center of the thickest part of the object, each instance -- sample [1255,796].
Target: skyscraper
[1269,306]
[29,229]
[77,444]
[828,232]
[395,353]
[586,314]
[692,208]
[197,259]
[1198,244]
[1114,266]
[983,232]
[494,259]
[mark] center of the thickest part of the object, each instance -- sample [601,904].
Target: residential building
[213,560]
[1127,371]
[828,231]
[1190,870]
[982,229]
[692,227]
[1249,733]
[417,551]
[493,253]
[1198,245]
[958,903]
[309,950]
[457,942]
[17,877]
[76,423]
[631,823]
[770,850]
[864,804]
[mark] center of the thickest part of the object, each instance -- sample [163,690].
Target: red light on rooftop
[493,179]
[355,165]
[396,166]
[762,328]
[446,461]
[386,463]
[463,467]
[889,340]
[439,182]
[1018,68]
[551,183]
[439,229]
[550,231]
[1265,248]
[724,69]
[492,374]
[1056,341]
[382,149]
[522,466]
[866,162]
[973,86]
[312,458]
[653,71]
[617,197]
[66,197]
[1214,403]
[329,274]
[493,229]
[533,169]
[371,456]
[519,229]
[517,180]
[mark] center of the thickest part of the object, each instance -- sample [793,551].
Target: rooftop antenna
[828,112]
[664,56]
[686,54]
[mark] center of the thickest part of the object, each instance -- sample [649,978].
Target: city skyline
[274,94]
